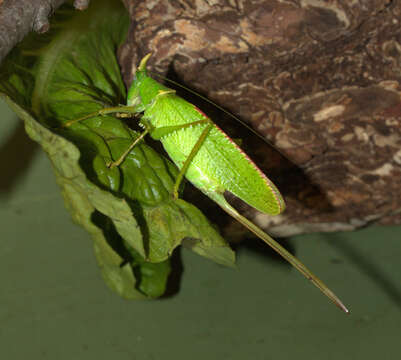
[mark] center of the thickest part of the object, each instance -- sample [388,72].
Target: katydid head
[144,90]
[133,97]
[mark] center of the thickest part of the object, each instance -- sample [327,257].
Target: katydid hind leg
[190,157]
[219,198]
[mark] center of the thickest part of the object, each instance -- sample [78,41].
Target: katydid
[206,156]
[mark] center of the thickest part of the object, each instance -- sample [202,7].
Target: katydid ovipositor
[206,156]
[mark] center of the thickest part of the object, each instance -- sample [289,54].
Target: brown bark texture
[321,80]
[19,17]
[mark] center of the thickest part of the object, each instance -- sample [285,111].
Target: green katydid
[206,156]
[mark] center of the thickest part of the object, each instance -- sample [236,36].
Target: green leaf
[73,71]
[82,198]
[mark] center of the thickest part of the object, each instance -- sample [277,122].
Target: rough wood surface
[19,17]
[319,79]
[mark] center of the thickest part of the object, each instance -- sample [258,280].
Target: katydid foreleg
[190,157]
[105,111]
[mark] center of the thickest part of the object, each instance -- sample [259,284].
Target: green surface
[54,304]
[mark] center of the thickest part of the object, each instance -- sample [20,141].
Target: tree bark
[19,17]
[321,80]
